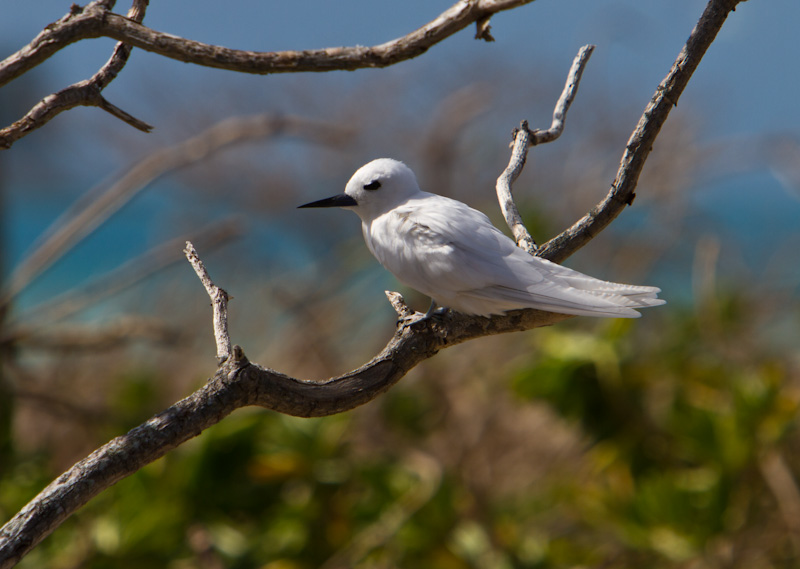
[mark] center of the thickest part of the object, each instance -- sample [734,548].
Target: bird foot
[417,317]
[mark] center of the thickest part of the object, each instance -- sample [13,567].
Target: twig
[399,304]
[96,20]
[219,302]
[643,137]
[780,480]
[566,98]
[76,337]
[519,154]
[83,93]
[523,138]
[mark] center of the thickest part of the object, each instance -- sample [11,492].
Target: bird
[453,253]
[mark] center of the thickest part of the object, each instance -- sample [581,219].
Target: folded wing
[472,267]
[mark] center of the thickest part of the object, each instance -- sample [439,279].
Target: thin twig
[519,154]
[219,302]
[123,277]
[781,482]
[399,304]
[643,137]
[566,98]
[523,138]
[74,338]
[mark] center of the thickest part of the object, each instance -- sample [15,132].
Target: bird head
[374,189]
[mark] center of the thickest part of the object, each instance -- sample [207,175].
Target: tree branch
[524,138]
[83,93]
[643,137]
[91,211]
[239,383]
[219,301]
[96,20]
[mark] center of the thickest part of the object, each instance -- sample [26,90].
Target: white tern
[452,253]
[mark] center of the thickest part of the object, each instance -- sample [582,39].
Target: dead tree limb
[643,137]
[84,93]
[524,138]
[96,20]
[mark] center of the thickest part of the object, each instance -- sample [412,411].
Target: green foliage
[681,430]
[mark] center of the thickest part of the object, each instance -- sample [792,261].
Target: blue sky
[744,75]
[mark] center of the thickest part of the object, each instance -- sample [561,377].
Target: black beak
[342,200]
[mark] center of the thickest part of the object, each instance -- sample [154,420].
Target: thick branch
[96,20]
[643,137]
[238,384]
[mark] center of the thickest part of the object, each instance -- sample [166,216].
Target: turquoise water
[756,220]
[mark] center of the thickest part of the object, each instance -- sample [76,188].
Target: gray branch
[96,20]
[219,302]
[239,383]
[524,138]
[84,93]
[643,137]
[87,214]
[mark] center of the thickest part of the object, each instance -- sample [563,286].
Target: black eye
[373,185]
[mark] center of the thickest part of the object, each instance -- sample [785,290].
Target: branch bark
[239,383]
[219,300]
[96,20]
[84,93]
[643,137]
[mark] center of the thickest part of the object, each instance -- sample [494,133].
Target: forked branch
[643,137]
[96,20]
[84,93]
[524,138]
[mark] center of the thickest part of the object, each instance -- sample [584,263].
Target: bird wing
[434,242]
[452,253]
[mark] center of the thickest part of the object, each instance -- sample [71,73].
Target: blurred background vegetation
[670,441]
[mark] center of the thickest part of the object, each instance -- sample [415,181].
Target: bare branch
[780,480]
[83,93]
[643,137]
[96,20]
[219,302]
[399,304]
[238,383]
[123,277]
[122,332]
[519,153]
[566,98]
[523,138]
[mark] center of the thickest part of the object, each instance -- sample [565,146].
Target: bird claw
[417,317]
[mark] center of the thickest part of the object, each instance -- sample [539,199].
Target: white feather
[452,253]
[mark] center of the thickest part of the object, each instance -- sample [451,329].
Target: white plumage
[452,253]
